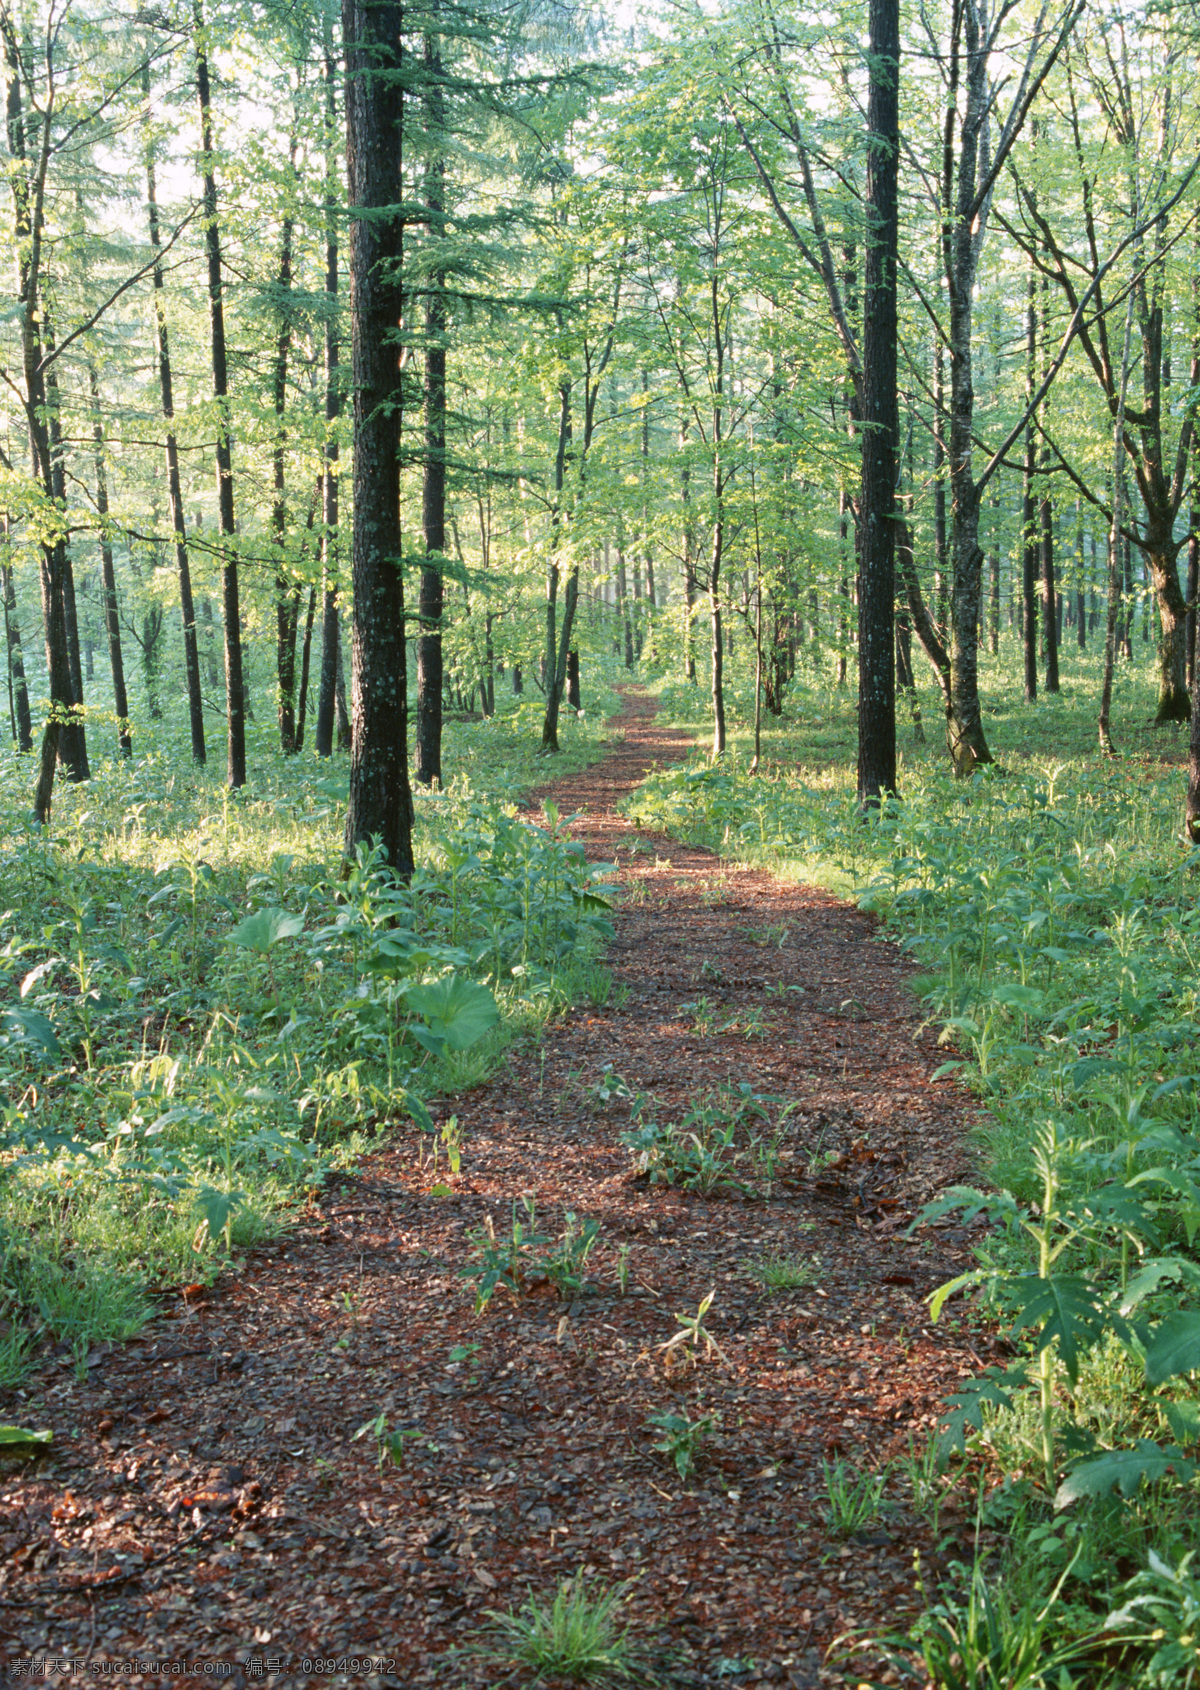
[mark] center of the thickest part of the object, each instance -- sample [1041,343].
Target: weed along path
[667,1411]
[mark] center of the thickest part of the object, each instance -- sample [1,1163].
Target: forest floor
[205,1500]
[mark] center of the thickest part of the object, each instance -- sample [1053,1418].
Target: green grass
[576,1634]
[172,1091]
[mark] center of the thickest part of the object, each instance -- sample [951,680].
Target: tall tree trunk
[689,566]
[111,622]
[235,697]
[555,655]
[187,609]
[18,692]
[380,796]
[877,571]
[1030,554]
[287,592]
[433,484]
[331,637]
[623,601]
[305,662]
[1114,545]
[72,744]
[940,549]
[1050,613]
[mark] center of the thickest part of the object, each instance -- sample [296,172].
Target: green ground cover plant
[1051,903]
[201,1014]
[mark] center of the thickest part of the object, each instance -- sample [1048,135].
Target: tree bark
[187,609]
[331,636]
[380,796]
[305,662]
[18,691]
[1029,529]
[111,621]
[877,568]
[433,486]
[287,593]
[235,698]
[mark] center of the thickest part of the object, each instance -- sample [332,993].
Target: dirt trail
[208,1471]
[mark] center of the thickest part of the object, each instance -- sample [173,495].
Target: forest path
[209,1502]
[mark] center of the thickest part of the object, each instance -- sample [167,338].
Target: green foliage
[199,1016]
[509,1262]
[703,1150]
[682,1437]
[577,1634]
[852,1499]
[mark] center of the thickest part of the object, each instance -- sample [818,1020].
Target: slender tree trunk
[380,796]
[1029,530]
[940,549]
[18,692]
[1114,545]
[330,630]
[305,662]
[1050,612]
[623,603]
[111,622]
[880,456]
[433,489]
[287,593]
[187,611]
[235,697]
[555,650]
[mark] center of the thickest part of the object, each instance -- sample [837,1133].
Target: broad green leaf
[30,1026]
[952,1286]
[15,1436]
[264,929]
[457,1010]
[1016,996]
[1174,1346]
[1068,1311]
[1156,1271]
[216,1207]
[1125,1470]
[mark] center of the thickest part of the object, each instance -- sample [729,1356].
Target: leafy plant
[985,1643]
[785,1273]
[389,1443]
[505,1262]
[564,1265]
[682,1437]
[578,1634]
[609,1088]
[852,1499]
[1162,1615]
[692,1336]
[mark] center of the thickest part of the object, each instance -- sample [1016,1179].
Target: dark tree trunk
[235,697]
[380,796]
[433,485]
[1031,556]
[940,551]
[305,661]
[111,622]
[518,684]
[331,637]
[18,692]
[187,610]
[287,593]
[72,744]
[877,570]
[623,605]
[1051,614]
[573,698]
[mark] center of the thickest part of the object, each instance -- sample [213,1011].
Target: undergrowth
[1052,907]
[201,1015]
